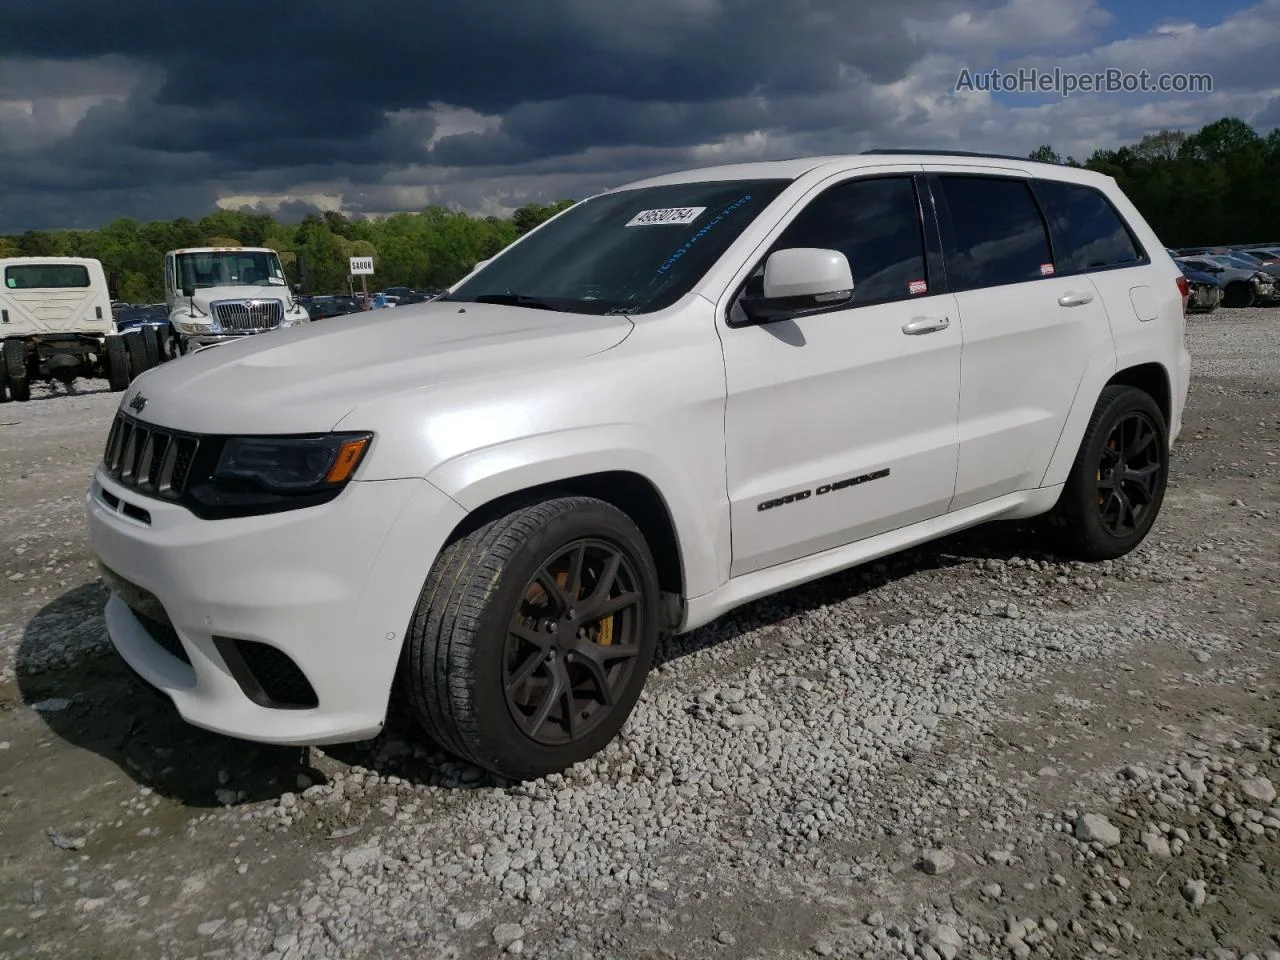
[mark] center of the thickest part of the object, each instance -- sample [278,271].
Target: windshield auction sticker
[666,215]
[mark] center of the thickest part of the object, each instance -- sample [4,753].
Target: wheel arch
[1150,376]
[690,543]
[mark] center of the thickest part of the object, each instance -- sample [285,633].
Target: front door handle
[1075,299]
[925,325]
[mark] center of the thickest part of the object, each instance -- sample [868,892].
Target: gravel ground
[966,750]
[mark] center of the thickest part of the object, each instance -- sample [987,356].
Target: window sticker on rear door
[666,215]
[916,287]
[1046,269]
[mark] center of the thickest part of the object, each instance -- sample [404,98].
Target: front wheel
[533,636]
[14,357]
[1117,483]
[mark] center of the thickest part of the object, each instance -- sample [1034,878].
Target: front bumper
[331,587]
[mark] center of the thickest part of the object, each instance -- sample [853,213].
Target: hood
[305,379]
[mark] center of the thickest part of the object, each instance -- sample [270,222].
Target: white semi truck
[216,294]
[56,324]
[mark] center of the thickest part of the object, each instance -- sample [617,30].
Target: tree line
[1217,185]
[431,248]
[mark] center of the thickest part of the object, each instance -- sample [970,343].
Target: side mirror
[799,281]
[188,292]
[297,289]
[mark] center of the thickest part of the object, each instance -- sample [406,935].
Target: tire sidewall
[498,733]
[1131,401]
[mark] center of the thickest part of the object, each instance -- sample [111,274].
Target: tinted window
[632,251]
[1089,234]
[45,276]
[875,223]
[997,233]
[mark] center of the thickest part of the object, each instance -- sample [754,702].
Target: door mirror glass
[188,292]
[797,281]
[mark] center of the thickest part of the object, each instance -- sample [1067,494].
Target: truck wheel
[533,636]
[116,362]
[151,344]
[1117,483]
[137,351]
[15,364]
[4,382]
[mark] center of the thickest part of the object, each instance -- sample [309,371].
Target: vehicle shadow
[116,716]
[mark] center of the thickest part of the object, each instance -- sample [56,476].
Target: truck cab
[216,294]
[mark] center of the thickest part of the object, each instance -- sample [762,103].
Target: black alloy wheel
[573,642]
[1131,469]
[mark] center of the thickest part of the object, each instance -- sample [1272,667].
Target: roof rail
[897,151]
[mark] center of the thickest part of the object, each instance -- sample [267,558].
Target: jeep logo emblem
[137,403]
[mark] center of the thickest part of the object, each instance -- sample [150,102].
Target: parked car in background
[1206,291]
[322,307]
[1246,261]
[1241,286]
[151,323]
[1265,254]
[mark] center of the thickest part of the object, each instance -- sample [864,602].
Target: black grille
[151,460]
[267,675]
[164,635]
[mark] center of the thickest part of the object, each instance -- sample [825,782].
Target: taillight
[1184,288]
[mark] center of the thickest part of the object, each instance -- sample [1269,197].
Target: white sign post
[362,267]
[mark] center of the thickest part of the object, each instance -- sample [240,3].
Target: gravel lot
[967,750]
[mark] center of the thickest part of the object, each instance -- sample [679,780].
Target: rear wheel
[1238,294]
[14,355]
[1117,483]
[116,362]
[151,344]
[4,382]
[533,637]
[136,348]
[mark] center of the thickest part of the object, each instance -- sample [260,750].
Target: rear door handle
[926,325]
[1075,299]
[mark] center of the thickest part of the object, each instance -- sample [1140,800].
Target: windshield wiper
[515,300]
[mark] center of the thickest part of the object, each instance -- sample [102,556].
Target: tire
[151,344]
[4,382]
[1089,521]
[116,361]
[1238,294]
[461,646]
[14,353]
[136,348]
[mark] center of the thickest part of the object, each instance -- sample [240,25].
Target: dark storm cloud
[237,99]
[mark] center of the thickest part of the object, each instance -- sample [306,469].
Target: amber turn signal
[348,459]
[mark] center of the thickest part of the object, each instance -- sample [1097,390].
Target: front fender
[702,533]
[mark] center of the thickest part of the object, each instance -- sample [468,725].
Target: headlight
[197,326]
[292,465]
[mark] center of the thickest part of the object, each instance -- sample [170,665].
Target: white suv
[668,400]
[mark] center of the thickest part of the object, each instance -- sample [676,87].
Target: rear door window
[995,234]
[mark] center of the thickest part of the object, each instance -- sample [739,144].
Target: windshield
[231,268]
[634,251]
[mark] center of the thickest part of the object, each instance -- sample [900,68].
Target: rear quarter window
[1088,232]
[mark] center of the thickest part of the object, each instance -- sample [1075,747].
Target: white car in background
[668,400]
